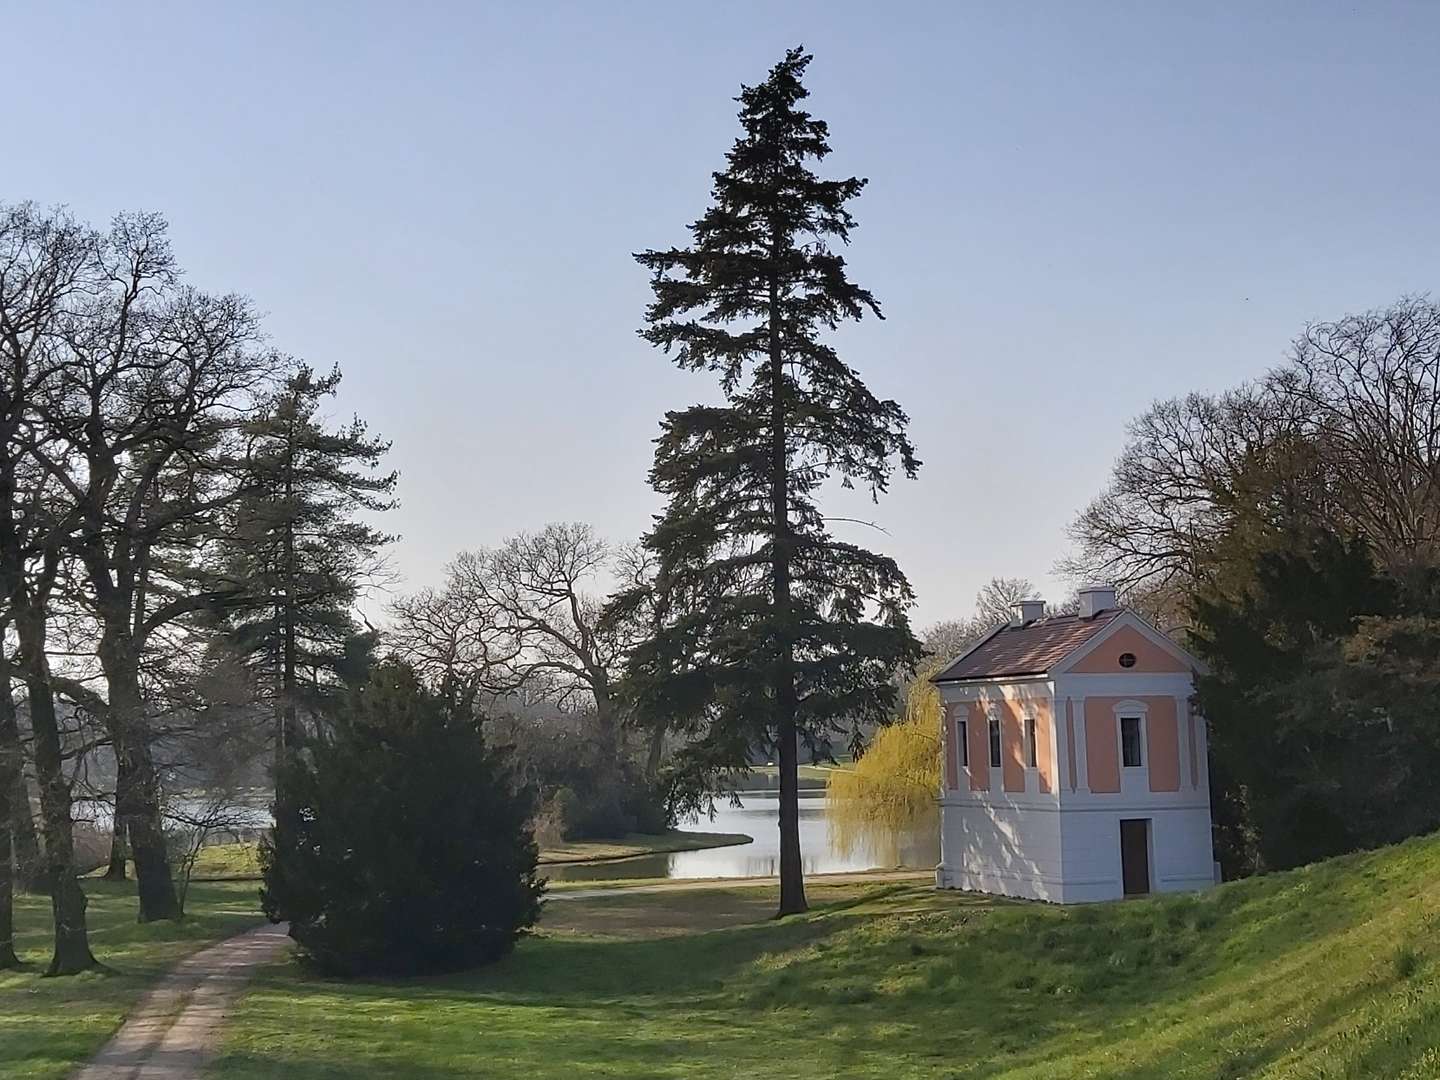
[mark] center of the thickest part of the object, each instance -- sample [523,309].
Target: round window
[1127,659]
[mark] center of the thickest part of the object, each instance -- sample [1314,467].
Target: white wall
[1006,849]
[1069,856]
[1180,858]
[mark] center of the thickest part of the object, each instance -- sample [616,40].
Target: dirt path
[176,1028]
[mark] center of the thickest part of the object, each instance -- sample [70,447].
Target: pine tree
[299,549]
[801,633]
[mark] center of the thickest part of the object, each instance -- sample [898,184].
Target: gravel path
[176,1028]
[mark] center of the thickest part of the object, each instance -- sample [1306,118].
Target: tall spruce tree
[801,633]
[299,549]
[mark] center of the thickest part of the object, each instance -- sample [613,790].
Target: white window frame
[1140,713]
[995,743]
[962,737]
[1030,735]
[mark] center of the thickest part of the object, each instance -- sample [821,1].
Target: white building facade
[1075,766]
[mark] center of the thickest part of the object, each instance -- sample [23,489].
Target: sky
[1073,210]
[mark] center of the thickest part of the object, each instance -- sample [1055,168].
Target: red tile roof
[1032,649]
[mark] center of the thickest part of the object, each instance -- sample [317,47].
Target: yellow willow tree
[893,787]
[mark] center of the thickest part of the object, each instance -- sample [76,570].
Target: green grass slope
[1326,972]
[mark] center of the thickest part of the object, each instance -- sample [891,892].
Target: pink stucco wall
[1102,744]
[1045,736]
[1012,746]
[1162,734]
[979,748]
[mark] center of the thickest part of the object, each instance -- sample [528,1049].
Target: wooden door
[1135,856]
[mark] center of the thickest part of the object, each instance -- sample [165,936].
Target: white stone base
[1068,856]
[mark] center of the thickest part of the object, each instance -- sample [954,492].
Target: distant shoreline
[238,862]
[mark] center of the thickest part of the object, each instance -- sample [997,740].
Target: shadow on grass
[901,984]
[568,971]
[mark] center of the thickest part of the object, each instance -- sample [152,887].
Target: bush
[1405,961]
[402,842]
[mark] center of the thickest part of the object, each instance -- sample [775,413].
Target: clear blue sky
[1073,209]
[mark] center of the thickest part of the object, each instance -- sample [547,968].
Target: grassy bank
[639,844]
[767,777]
[241,862]
[49,1025]
[1327,972]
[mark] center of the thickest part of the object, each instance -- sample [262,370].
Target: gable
[1150,657]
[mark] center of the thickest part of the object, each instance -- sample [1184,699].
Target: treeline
[183,540]
[1289,531]
[529,635]
[180,549]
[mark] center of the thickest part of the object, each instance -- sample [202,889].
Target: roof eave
[939,676]
[1042,673]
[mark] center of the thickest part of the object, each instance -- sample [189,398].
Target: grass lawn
[1326,972]
[47,1026]
[241,861]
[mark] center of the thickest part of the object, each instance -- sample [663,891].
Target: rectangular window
[962,736]
[1130,752]
[1031,751]
[994,742]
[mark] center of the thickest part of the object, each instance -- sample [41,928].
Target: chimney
[1027,611]
[1095,599]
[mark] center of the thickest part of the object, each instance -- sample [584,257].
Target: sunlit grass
[1326,972]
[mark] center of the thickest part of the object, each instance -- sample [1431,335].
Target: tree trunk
[29,861]
[118,860]
[137,791]
[657,752]
[119,855]
[607,721]
[8,958]
[10,765]
[67,900]
[792,872]
[25,845]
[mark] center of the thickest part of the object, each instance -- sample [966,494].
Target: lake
[758,816]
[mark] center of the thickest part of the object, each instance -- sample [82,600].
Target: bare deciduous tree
[525,618]
[46,274]
[1346,433]
[155,376]
[1369,388]
[994,604]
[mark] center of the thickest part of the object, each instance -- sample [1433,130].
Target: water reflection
[757,816]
